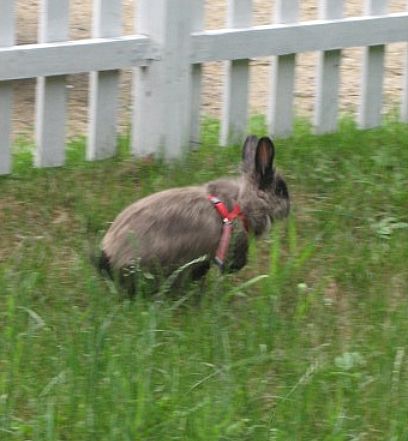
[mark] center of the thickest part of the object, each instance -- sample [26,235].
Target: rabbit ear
[264,156]
[248,153]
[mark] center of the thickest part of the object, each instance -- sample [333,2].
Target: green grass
[316,350]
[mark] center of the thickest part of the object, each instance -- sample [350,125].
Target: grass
[315,350]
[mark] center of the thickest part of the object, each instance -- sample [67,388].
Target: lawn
[308,342]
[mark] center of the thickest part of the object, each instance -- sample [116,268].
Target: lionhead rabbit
[165,231]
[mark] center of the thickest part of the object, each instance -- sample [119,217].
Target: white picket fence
[168,55]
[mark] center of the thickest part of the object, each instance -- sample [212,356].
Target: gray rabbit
[165,231]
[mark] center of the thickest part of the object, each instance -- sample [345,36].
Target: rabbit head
[264,195]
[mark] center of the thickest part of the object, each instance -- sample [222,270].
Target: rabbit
[165,231]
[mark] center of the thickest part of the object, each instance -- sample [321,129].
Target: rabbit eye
[282,189]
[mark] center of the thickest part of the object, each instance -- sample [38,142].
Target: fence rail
[167,56]
[262,41]
[71,57]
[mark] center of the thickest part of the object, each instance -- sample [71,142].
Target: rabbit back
[167,229]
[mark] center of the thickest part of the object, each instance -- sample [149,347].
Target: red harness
[227,219]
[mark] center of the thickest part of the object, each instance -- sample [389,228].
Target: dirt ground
[80,24]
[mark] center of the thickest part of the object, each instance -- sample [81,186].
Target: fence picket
[283,77]
[373,75]
[51,99]
[6,93]
[197,74]
[236,88]
[328,76]
[163,90]
[404,103]
[146,132]
[104,86]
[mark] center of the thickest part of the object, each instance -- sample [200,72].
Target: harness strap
[227,218]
